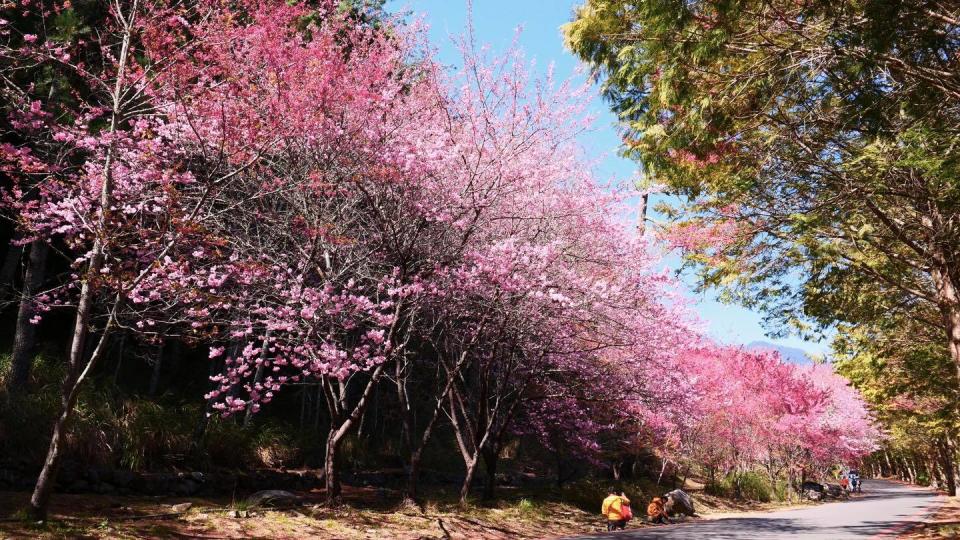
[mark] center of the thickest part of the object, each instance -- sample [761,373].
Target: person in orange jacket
[656,512]
[617,509]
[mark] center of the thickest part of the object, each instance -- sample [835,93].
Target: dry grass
[362,516]
[366,514]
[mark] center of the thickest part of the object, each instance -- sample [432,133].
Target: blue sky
[495,24]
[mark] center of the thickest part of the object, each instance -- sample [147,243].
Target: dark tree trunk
[342,421]
[948,298]
[204,419]
[413,476]
[416,449]
[10,268]
[331,472]
[642,213]
[948,452]
[258,376]
[471,471]
[118,352]
[77,369]
[157,370]
[491,458]
[24,340]
[78,366]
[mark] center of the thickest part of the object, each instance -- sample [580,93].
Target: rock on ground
[273,497]
[678,502]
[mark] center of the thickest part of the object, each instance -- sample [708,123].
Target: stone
[273,497]
[812,495]
[814,486]
[182,507]
[679,503]
[834,490]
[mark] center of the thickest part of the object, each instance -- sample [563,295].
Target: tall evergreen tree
[818,139]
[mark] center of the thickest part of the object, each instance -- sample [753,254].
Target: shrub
[526,507]
[719,488]
[753,486]
[750,485]
[153,436]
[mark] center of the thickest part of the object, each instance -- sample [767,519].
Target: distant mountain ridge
[792,355]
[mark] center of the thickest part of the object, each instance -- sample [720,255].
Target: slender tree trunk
[947,452]
[317,407]
[642,213]
[157,369]
[952,319]
[413,475]
[118,352]
[471,470]
[331,475]
[77,367]
[24,340]
[401,376]
[491,458]
[258,376]
[949,300]
[416,450]
[77,370]
[204,420]
[341,424]
[663,469]
[11,264]
[936,475]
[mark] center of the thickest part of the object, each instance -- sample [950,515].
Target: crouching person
[617,510]
[656,511]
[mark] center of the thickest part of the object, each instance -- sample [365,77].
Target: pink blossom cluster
[740,407]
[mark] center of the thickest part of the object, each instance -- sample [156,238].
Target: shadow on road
[755,528]
[882,510]
[721,528]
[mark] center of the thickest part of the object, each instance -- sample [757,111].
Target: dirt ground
[360,517]
[365,514]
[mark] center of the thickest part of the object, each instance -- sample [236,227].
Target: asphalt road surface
[884,510]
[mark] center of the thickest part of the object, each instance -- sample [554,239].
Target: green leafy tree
[823,135]
[904,374]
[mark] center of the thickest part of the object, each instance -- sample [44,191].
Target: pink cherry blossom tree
[320,203]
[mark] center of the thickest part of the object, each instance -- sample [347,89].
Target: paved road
[882,511]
